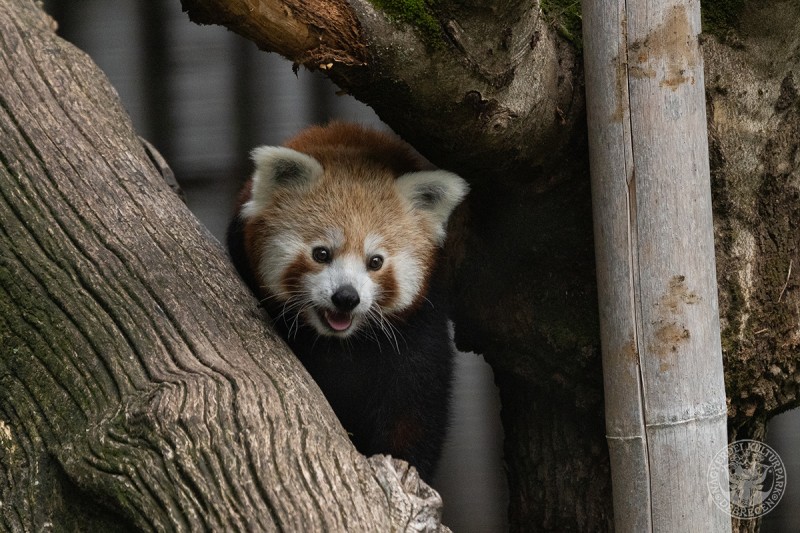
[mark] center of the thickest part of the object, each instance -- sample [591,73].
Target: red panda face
[348,247]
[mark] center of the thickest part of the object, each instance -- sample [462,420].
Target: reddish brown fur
[385,278]
[292,278]
[355,193]
[339,140]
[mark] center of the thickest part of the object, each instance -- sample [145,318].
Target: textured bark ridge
[139,385]
[753,86]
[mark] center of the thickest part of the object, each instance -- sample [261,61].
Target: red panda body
[338,234]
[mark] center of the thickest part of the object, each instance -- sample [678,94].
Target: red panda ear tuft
[277,166]
[434,192]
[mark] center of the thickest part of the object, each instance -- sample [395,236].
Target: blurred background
[205,97]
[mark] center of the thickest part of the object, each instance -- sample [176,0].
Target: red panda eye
[375,262]
[320,254]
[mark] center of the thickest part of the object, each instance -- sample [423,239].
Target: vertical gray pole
[662,360]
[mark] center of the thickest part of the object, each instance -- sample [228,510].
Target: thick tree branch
[313,33]
[459,93]
[133,388]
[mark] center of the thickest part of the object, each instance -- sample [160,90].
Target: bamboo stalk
[662,360]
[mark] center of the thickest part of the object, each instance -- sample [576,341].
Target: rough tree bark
[139,386]
[495,92]
[753,100]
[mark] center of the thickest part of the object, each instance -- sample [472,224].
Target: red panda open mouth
[337,320]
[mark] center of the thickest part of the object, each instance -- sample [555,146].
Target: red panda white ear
[277,166]
[434,192]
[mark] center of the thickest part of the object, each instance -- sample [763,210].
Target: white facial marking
[317,288]
[333,239]
[372,245]
[277,166]
[408,273]
[347,270]
[277,256]
[343,270]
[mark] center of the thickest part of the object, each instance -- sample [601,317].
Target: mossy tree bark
[139,385]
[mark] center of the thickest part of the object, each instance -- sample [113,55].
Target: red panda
[338,233]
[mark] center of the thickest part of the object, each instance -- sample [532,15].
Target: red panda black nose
[345,298]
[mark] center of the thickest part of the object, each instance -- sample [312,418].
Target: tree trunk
[139,385]
[753,88]
[753,102]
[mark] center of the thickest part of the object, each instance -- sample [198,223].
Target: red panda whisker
[388,329]
[285,317]
[293,304]
[395,332]
[370,333]
[292,309]
[287,295]
[295,326]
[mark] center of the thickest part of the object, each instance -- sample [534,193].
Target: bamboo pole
[662,361]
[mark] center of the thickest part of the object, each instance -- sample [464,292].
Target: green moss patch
[416,13]
[565,16]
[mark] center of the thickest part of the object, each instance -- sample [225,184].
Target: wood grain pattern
[134,392]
